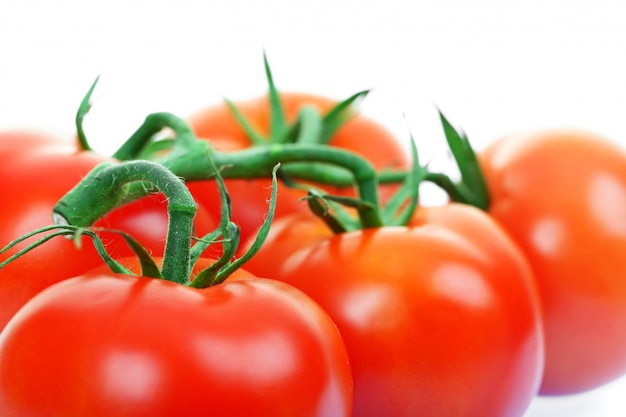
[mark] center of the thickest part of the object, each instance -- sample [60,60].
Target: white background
[493,67]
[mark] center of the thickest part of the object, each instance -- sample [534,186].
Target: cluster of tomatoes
[459,311]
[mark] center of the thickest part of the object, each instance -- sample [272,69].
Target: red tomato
[561,195]
[359,134]
[441,318]
[105,346]
[36,171]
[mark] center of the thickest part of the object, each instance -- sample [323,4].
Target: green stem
[258,162]
[188,158]
[185,142]
[109,185]
[152,125]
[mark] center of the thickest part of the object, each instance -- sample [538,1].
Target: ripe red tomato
[105,345]
[359,134]
[440,318]
[561,195]
[36,171]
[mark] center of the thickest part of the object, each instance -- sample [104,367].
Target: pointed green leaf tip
[467,162]
[338,115]
[306,128]
[400,208]
[277,114]
[83,109]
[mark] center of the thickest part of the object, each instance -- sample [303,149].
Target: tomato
[359,134]
[36,171]
[561,195]
[440,318]
[287,235]
[104,345]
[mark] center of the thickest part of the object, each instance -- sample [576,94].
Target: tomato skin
[561,195]
[146,347]
[249,197]
[36,171]
[16,141]
[435,322]
[287,235]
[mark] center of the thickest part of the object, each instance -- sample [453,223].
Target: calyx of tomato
[309,126]
[192,159]
[186,156]
[301,148]
[110,184]
[471,189]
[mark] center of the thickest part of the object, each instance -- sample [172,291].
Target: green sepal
[322,204]
[83,109]
[203,243]
[230,235]
[307,128]
[225,265]
[401,206]
[338,115]
[467,162]
[311,127]
[330,208]
[68,231]
[210,275]
[255,137]
[320,207]
[149,268]
[278,124]
[56,230]
[280,131]
[260,236]
[113,265]
[214,275]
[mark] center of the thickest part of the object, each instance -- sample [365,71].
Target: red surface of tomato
[359,134]
[441,318]
[147,347]
[36,171]
[287,235]
[561,195]
[15,142]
